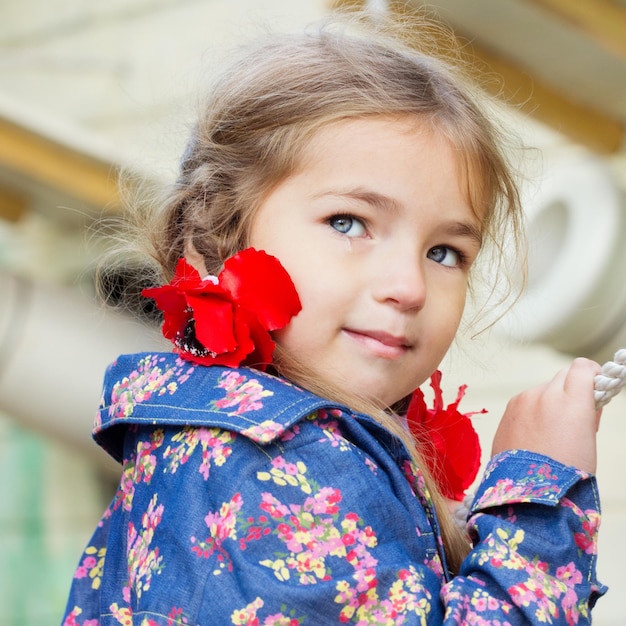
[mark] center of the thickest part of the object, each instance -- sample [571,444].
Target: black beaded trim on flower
[188,341]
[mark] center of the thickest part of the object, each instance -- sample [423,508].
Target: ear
[194,258]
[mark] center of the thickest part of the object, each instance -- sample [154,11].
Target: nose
[400,280]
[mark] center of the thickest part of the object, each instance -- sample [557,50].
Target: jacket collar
[161,389]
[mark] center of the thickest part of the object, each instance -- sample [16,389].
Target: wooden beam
[517,87]
[13,205]
[597,131]
[29,154]
[604,21]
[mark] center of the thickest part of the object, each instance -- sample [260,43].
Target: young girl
[334,196]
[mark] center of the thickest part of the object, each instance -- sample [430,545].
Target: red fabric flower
[227,322]
[452,446]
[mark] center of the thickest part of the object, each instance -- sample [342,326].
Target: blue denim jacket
[246,500]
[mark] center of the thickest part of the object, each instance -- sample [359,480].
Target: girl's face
[378,236]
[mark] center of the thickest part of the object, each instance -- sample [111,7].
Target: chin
[382,398]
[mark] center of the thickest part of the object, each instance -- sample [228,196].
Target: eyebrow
[377,200]
[389,205]
[465,229]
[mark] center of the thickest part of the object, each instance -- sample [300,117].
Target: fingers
[580,375]
[557,419]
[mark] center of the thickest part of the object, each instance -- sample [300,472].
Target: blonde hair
[262,113]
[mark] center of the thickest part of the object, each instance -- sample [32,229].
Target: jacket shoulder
[162,389]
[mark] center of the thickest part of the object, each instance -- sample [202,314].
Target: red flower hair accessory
[453,452]
[227,320]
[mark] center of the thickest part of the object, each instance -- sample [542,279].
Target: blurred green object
[50,501]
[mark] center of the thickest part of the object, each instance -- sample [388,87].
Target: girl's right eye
[348,225]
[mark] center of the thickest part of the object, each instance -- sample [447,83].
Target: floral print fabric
[246,500]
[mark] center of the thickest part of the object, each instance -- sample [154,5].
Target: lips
[380,343]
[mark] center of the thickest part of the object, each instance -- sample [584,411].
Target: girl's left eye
[348,225]
[446,256]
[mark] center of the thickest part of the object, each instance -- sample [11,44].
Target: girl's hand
[558,419]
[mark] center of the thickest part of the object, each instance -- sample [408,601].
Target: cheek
[294,337]
[314,289]
[298,343]
[457,306]
[309,335]
[447,316]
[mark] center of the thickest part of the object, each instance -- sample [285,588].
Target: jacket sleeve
[534,523]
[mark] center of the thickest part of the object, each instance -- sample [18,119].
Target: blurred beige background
[88,88]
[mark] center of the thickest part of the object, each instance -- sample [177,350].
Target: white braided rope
[607,384]
[611,379]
